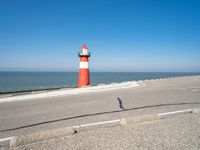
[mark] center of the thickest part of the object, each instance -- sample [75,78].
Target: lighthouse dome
[84,51]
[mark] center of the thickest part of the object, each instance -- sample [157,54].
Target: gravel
[181,132]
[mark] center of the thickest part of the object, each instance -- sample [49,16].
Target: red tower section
[84,74]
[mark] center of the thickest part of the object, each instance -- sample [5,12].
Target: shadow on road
[120,103]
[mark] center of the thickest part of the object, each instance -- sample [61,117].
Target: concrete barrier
[138,119]
[196,110]
[5,143]
[144,118]
[39,136]
[90,126]
[49,134]
[173,113]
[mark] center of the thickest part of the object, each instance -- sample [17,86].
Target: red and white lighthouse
[84,74]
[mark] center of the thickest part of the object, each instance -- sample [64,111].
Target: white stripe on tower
[83,65]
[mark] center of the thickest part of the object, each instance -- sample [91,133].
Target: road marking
[5,139]
[97,123]
[175,112]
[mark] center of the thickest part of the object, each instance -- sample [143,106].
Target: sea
[31,81]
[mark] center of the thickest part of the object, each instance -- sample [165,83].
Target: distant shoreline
[29,91]
[70,91]
[35,91]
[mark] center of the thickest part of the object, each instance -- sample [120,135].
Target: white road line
[6,139]
[97,123]
[175,112]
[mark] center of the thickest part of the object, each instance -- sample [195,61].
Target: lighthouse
[84,75]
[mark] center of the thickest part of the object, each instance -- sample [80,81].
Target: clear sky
[122,35]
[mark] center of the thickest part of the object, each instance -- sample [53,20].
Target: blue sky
[122,35]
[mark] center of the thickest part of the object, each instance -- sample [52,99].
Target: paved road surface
[156,96]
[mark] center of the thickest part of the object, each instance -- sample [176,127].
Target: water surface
[22,81]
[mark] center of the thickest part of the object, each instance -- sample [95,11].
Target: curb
[173,113]
[38,136]
[196,110]
[5,143]
[138,119]
[90,126]
[145,118]
[49,134]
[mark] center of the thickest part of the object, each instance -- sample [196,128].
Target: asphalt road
[20,117]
